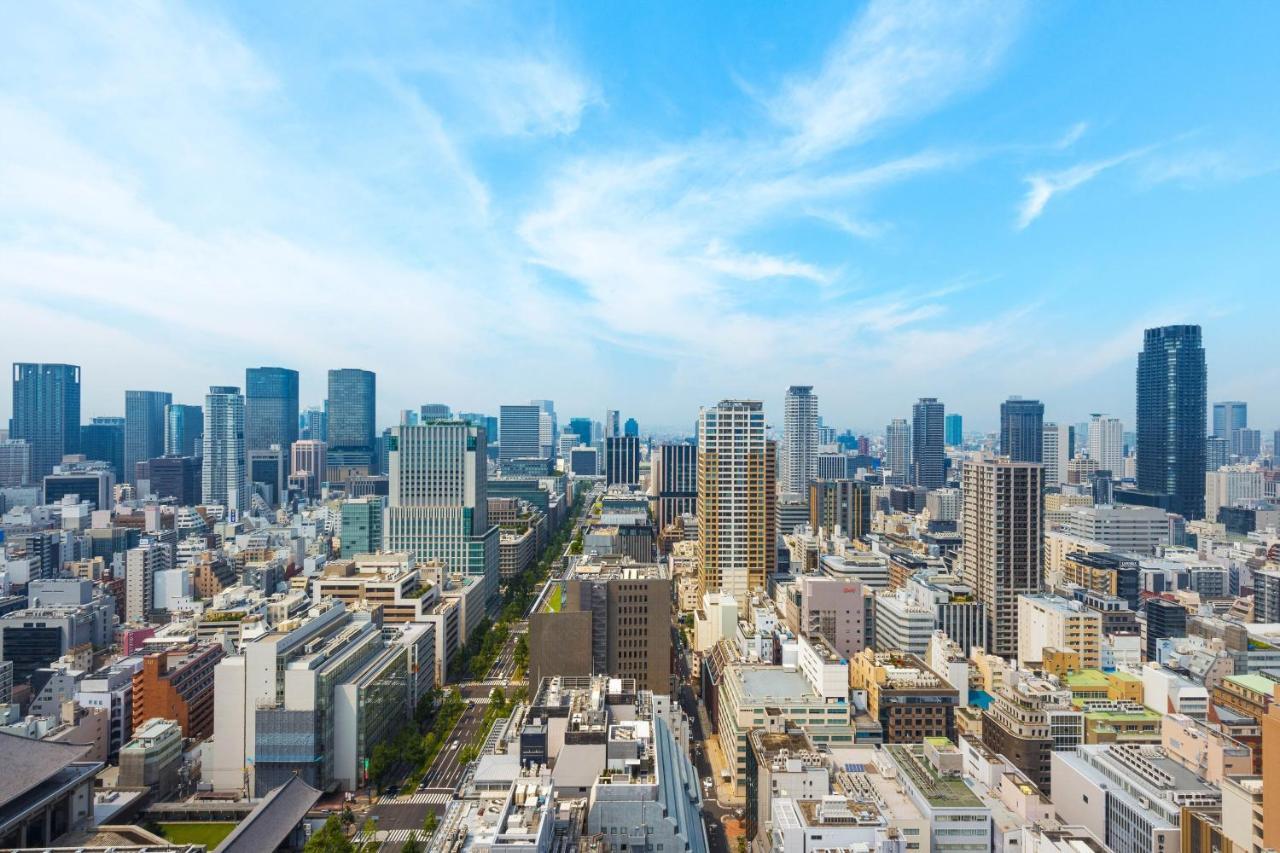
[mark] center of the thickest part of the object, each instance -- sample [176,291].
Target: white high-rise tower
[1106,444]
[223,479]
[800,455]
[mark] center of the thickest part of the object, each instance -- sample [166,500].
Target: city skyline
[791,202]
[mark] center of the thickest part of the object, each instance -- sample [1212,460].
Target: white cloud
[1043,187]
[896,60]
[753,266]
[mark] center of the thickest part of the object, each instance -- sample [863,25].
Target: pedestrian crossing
[428,797]
[390,836]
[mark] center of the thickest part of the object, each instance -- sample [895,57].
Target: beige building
[1053,622]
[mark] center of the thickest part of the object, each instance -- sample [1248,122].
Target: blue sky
[646,207]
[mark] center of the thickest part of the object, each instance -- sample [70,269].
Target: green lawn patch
[209,834]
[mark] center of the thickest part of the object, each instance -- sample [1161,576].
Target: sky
[645,207]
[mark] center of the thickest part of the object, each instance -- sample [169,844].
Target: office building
[46,412]
[954,430]
[737,485]
[176,479]
[1217,452]
[223,478]
[435,412]
[438,504]
[183,430]
[310,466]
[313,424]
[1164,619]
[177,684]
[143,428]
[676,476]
[610,616]
[1022,429]
[581,427]
[926,443]
[140,567]
[584,462]
[270,408]
[901,623]
[268,473]
[1003,530]
[1229,486]
[1129,529]
[800,439]
[102,439]
[842,504]
[362,525]
[15,463]
[1054,454]
[1171,419]
[631,427]
[84,481]
[932,775]
[1029,718]
[1246,444]
[1106,443]
[1054,622]
[351,406]
[612,423]
[622,460]
[520,432]
[897,452]
[153,757]
[1229,417]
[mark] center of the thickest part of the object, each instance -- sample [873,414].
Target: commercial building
[270,408]
[954,428]
[183,430]
[910,701]
[927,452]
[840,504]
[1228,417]
[361,531]
[676,476]
[176,479]
[310,466]
[46,412]
[223,479]
[1022,430]
[102,439]
[144,424]
[622,460]
[1028,719]
[1054,454]
[932,773]
[1053,622]
[85,481]
[902,623]
[519,432]
[177,684]
[1003,541]
[353,397]
[15,463]
[153,757]
[1106,443]
[736,495]
[1171,419]
[1128,529]
[1164,619]
[800,439]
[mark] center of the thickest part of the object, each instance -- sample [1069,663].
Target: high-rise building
[1164,619]
[1171,418]
[270,408]
[927,454]
[631,428]
[438,506]
[140,567]
[897,451]
[800,439]
[313,424]
[521,432]
[1106,444]
[676,475]
[1217,452]
[143,428]
[581,427]
[223,478]
[1246,444]
[310,466]
[15,462]
[1229,416]
[954,430]
[1022,429]
[352,403]
[435,412]
[46,412]
[622,460]
[612,425]
[183,430]
[176,477]
[845,504]
[737,485]
[1003,528]
[1054,453]
[102,439]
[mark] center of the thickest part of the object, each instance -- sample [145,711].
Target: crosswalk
[428,797]
[390,836]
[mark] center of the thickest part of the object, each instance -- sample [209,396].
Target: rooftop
[765,683]
[941,791]
[1256,683]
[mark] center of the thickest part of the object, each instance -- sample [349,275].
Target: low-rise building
[910,701]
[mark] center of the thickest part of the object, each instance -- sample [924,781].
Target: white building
[1106,444]
[1054,446]
[1130,529]
[1229,486]
[800,436]
[223,476]
[903,623]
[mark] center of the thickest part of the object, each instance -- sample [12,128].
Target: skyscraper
[897,451]
[521,431]
[676,475]
[46,412]
[102,439]
[631,428]
[1106,444]
[926,443]
[270,408]
[611,423]
[1003,529]
[223,478]
[800,437]
[954,430]
[435,412]
[1171,418]
[622,460]
[1022,429]
[1054,450]
[310,464]
[143,428]
[183,430]
[313,424]
[840,503]
[353,396]
[736,496]
[581,427]
[1228,416]
[437,508]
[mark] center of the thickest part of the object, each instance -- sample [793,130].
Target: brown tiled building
[911,701]
[210,574]
[178,685]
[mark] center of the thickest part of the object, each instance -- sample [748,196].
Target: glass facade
[1172,415]
[46,412]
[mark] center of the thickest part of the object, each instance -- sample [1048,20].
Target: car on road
[706,783]
[393,791]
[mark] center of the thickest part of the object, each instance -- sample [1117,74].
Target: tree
[411,845]
[329,838]
[498,698]
[429,825]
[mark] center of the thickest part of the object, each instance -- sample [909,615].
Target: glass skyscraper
[143,428]
[224,479]
[927,455]
[46,413]
[270,407]
[1172,410]
[352,401]
[183,430]
[102,439]
[1022,430]
[520,432]
[954,430]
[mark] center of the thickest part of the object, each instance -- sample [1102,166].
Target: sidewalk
[725,793]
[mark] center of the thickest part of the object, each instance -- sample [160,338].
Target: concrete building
[902,623]
[144,424]
[15,463]
[1128,529]
[223,478]
[932,773]
[897,452]
[1029,718]
[1231,486]
[48,790]
[153,757]
[910,701]
[310,466]
[1053,452]
[519,432]
[177,684]
[1003,541]
[622,460]
[736,495]
[800,439]
[840,504]
[1054,622]
[1106,443]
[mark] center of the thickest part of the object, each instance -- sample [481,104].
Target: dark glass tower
[103,440]
[270,408]
[927,417]
[46,413]
[352,399]
[143,428]
[183,430]
[1022,430]
[580,427]
[1172,405]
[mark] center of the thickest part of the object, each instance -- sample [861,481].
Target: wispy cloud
[1041,188]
